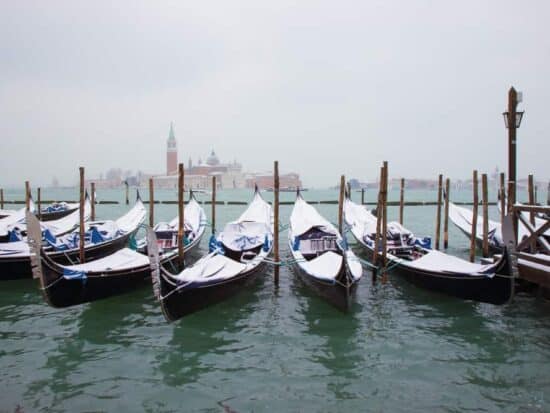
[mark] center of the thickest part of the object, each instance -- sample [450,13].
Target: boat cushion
[326,266]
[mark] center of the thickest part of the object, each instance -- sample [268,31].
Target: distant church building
[199,175]
[171,153]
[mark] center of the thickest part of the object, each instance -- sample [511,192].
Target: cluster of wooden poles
[381,211]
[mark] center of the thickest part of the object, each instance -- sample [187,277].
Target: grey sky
[324,87]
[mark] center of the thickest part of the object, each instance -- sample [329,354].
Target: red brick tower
[171,153]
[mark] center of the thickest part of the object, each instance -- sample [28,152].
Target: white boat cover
[363,222]
[56,227]
[327,265]
[252,227]
[14,249]
[133,218]
[439,261]
[462,218]
[194,217]
[59,206]
[216,266]
[121,260]
[17,218]
[6,212]
[212,267]
[304,217]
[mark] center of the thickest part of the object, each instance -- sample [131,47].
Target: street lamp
[512,120]
[519,116]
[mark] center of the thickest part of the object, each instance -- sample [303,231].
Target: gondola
[16,230]
[122,271]
[236,255]
[57,210]
[411,258]
[321,257]
[462,218]
[103,238]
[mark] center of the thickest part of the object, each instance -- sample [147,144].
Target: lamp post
[512,121]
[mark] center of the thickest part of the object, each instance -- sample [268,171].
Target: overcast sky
[325,87]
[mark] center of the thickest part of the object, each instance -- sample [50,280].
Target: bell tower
[171,153]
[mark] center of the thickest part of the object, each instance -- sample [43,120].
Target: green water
[400,349]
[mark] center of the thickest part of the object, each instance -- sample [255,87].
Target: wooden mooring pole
[341,204]
[438,214]
[27,196]
[213,204]
[82,232]
[39,203]
[385,224]
[531,200]
[474,218]
[92,200]
[548,194]
[378,227]
[181,217]
[276,221]
[446,217]
[1,198]
[402,201]
[362,196]
[502,198]
[151,202]
[484,195]
[127,192]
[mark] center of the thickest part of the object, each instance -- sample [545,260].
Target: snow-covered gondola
[321,256]
[236,255]
[462,218]
[102,238]
[122,271]
[58,210]
[409,257]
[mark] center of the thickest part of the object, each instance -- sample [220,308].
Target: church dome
[212,160]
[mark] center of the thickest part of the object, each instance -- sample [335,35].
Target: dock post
[502,198]
[438,214]
[474,218]
[378,226]
[341,204]
[385,224]
[363,196]
[213,204]
[276,223]
[151,203]
[512,125]
[548,194]
[39,202]
[402,201]
[348,186]
[127,192]
[1,198]
[181,217]
[484,194]
[27,196]
[92,200]
[82,232]
[531,195]
[446,217]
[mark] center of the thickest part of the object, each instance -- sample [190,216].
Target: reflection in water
[200,335]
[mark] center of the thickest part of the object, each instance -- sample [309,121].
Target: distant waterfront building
[171,153]
[266,180]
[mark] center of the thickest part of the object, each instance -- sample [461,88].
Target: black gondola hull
[20,267]
[50,216]
[338,295]
[498,289]
[187,300]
